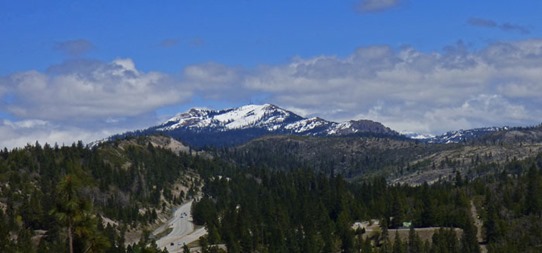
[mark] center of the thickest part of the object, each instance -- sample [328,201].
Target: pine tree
[492,222]
[396,211]
[75,214]
[469,242]
[69,208]
[414,242]
[427,216]
[533,197]
[397,243]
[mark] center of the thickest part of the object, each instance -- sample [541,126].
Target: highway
[182,230]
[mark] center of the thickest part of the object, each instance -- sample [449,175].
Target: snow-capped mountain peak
[251,115]
[308,126]
[267,117]
[262,116]
[251,121]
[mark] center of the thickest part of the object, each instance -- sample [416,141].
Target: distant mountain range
[201,127]
[204,127]
[267,117]
[459,136]
[267,135]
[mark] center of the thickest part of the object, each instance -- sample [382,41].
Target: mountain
[458,136]
[204,127]
[199,127]
[267,116]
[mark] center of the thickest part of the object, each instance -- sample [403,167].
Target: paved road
[183,230]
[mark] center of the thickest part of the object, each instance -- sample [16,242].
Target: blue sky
[82,70]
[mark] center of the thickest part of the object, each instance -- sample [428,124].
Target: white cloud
[31,123]
[83,100]
[406,89]
[21,133]
[84,91]
[217,81]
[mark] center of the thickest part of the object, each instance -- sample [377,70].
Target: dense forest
[51,196]
[257,210]
[86,199]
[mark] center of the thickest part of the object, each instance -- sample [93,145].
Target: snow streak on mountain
[458,136]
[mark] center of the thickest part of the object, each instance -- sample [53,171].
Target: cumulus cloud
[376,5]
[217,81]
[507,27]
[83,100]
[404,88]
[74,47]
[21,133]
[86,90]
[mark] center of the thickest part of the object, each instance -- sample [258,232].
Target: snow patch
[306,125]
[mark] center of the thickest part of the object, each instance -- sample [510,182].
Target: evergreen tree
[414,241]
[492,223]
[75,213]
[427,214]
[396,210]
[397,243]
[533,196]
[469,242]
[69,207]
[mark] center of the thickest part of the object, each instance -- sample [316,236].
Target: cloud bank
[90,89]
[404,88]
[82,100]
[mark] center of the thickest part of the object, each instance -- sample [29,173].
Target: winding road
[183,230]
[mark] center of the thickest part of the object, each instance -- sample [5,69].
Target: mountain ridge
[201,127]
[267,116]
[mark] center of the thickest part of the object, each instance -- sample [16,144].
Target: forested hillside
[50,193]
[351,156]
[258,210]
[399,159]
[55,198]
